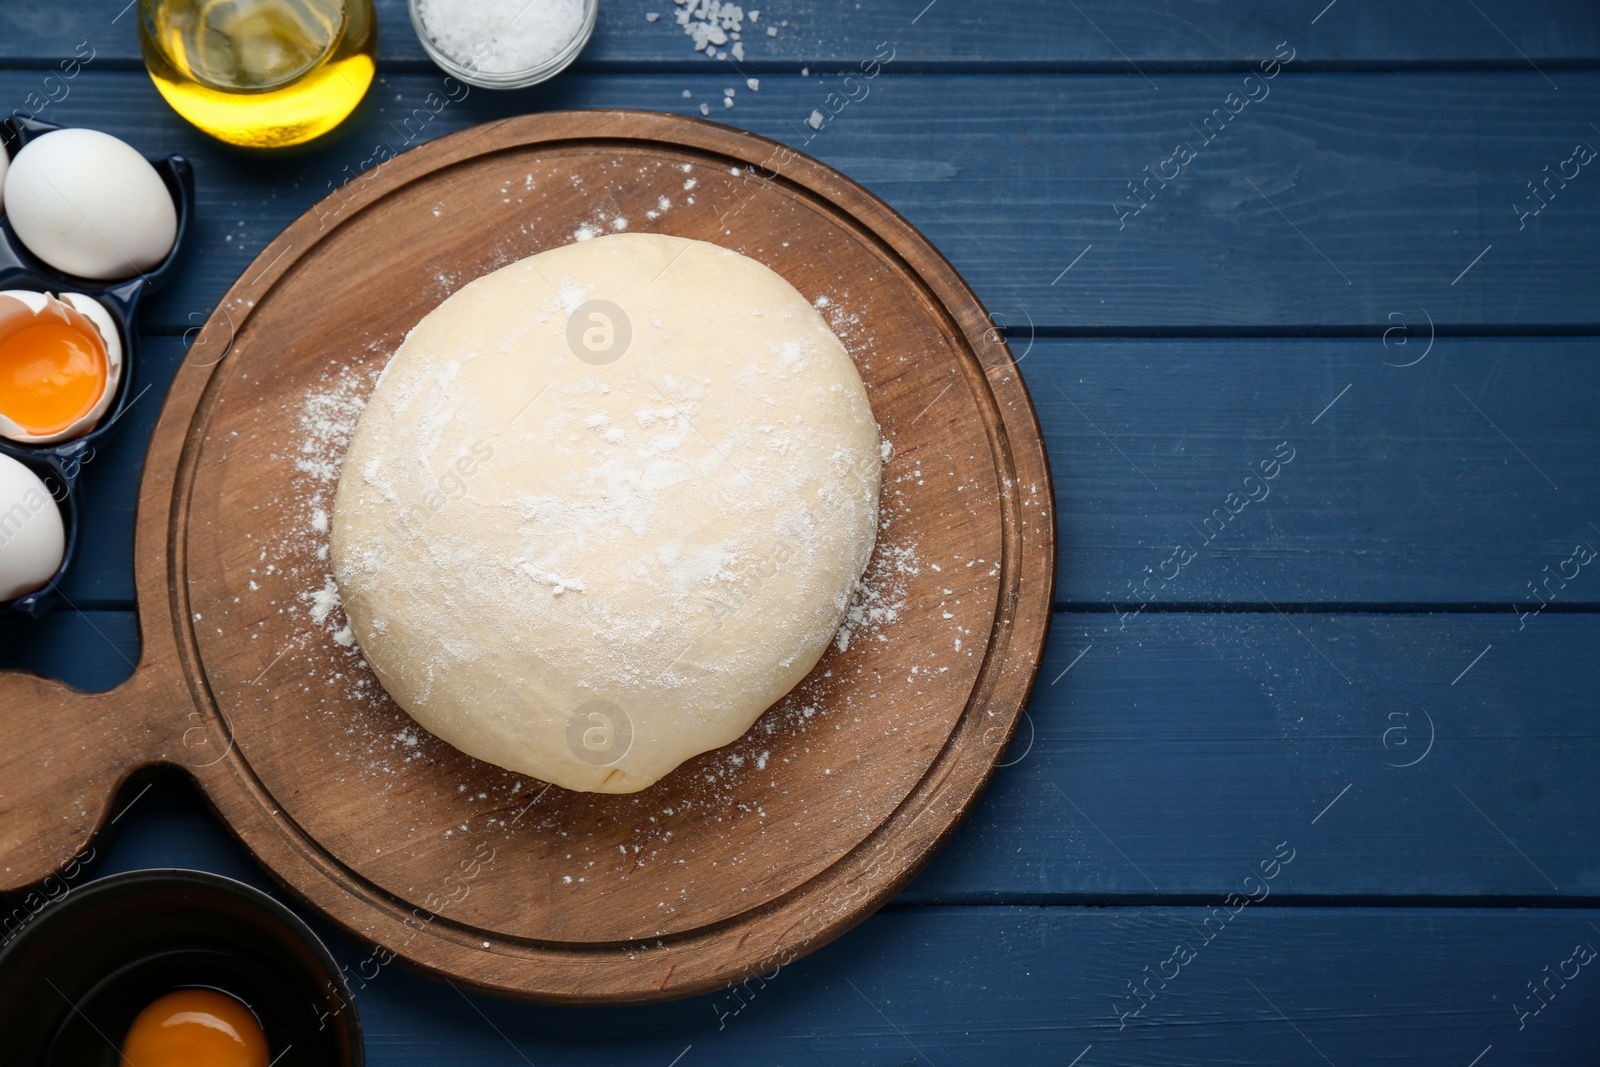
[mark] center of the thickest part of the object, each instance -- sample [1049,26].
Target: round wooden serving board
[737,862]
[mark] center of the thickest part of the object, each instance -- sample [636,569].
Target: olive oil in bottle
[260,73]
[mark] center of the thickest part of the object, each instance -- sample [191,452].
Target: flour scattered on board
[714,792]
[323,602]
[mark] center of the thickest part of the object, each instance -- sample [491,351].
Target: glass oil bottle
[260,73]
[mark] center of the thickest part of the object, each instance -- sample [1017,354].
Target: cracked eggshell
[15,303]
[33,538]
[90,205]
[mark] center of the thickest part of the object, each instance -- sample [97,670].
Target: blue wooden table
[1309,775]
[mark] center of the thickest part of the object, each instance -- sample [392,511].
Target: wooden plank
[1162,762]
[1457,479]
[101,574]
[1381,505]
[1336,200]
[1101,34]
[996,984]
[1172,751]
[1063,972]
[1022,986]
[92,650]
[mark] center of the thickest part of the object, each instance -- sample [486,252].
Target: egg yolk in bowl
[195,1028]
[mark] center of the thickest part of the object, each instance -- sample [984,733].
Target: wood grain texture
[1018,985]
[308,768]
[979,986]
[1172,751]
[1370,514]
[1099,35]
[1155,760]
[1387,177]
[88,650]
[1193,738]
[1455,480]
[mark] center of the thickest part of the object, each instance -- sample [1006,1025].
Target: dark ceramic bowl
[75,977]
[58,464]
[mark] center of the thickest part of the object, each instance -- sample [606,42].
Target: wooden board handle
[64,752]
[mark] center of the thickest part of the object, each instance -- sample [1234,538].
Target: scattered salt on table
[713,24]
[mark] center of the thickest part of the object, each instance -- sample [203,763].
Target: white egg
[32,536]
[21,308]
[90,205]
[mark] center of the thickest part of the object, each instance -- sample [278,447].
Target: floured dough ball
[606,505]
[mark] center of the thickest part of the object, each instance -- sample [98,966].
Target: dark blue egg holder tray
[59,465]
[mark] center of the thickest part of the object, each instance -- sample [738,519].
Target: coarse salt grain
[713,24]
[502,36]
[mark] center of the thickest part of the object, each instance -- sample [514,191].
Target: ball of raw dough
[89,204]
[605,506]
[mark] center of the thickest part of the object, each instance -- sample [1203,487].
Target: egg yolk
[195,1028]
[52,374]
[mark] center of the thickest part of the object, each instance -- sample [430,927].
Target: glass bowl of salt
[503,44]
